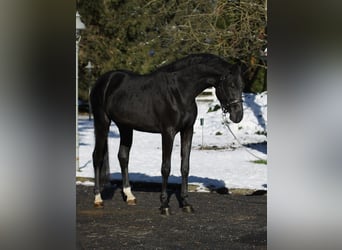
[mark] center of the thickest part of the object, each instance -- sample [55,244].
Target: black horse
[160,102]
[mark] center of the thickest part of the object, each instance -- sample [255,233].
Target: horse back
[126,98]
[143,102]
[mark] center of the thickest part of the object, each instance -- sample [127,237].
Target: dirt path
[220,221]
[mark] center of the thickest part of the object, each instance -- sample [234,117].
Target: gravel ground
[220,221]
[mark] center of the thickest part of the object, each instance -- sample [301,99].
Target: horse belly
[135,113]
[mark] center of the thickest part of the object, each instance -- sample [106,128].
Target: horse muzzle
[236,117]
[235,110]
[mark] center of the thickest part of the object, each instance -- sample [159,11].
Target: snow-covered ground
[222,162]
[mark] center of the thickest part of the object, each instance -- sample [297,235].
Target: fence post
[202,123]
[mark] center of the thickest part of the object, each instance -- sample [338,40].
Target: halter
[236,101]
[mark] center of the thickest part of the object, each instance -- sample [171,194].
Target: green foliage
[213,109]
[261,133]
[259,81]
[141,35]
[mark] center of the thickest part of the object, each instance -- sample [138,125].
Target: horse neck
[194,80]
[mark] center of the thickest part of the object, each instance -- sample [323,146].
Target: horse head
[229,93]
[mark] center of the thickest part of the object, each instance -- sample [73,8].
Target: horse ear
[236,68]
[239,68]
[211,81]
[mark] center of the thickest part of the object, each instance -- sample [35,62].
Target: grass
[261,133]
[204,147]
[83,179]
[260,162]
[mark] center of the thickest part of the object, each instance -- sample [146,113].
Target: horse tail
[101,130]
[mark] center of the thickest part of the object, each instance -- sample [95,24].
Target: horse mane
[193,59]
[187,61]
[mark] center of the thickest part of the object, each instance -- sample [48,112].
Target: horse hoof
[165,211]
[132,202]
[98,205]
[188,209]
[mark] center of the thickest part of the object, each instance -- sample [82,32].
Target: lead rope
[226,123]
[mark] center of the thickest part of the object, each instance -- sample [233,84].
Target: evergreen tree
[141,35]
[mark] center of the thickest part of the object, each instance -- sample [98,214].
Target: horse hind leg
[126,136]
[186,139]
[100,157]
[167,144]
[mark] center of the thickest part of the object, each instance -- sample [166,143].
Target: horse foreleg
[167,144]
[186,139]
[123,156]
[126,136]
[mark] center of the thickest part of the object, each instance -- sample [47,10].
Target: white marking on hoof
[98,199]
[130,197]
[98,202]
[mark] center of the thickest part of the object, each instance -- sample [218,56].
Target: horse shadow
[256,108]
[261,147]
[84,125]
[153,184]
